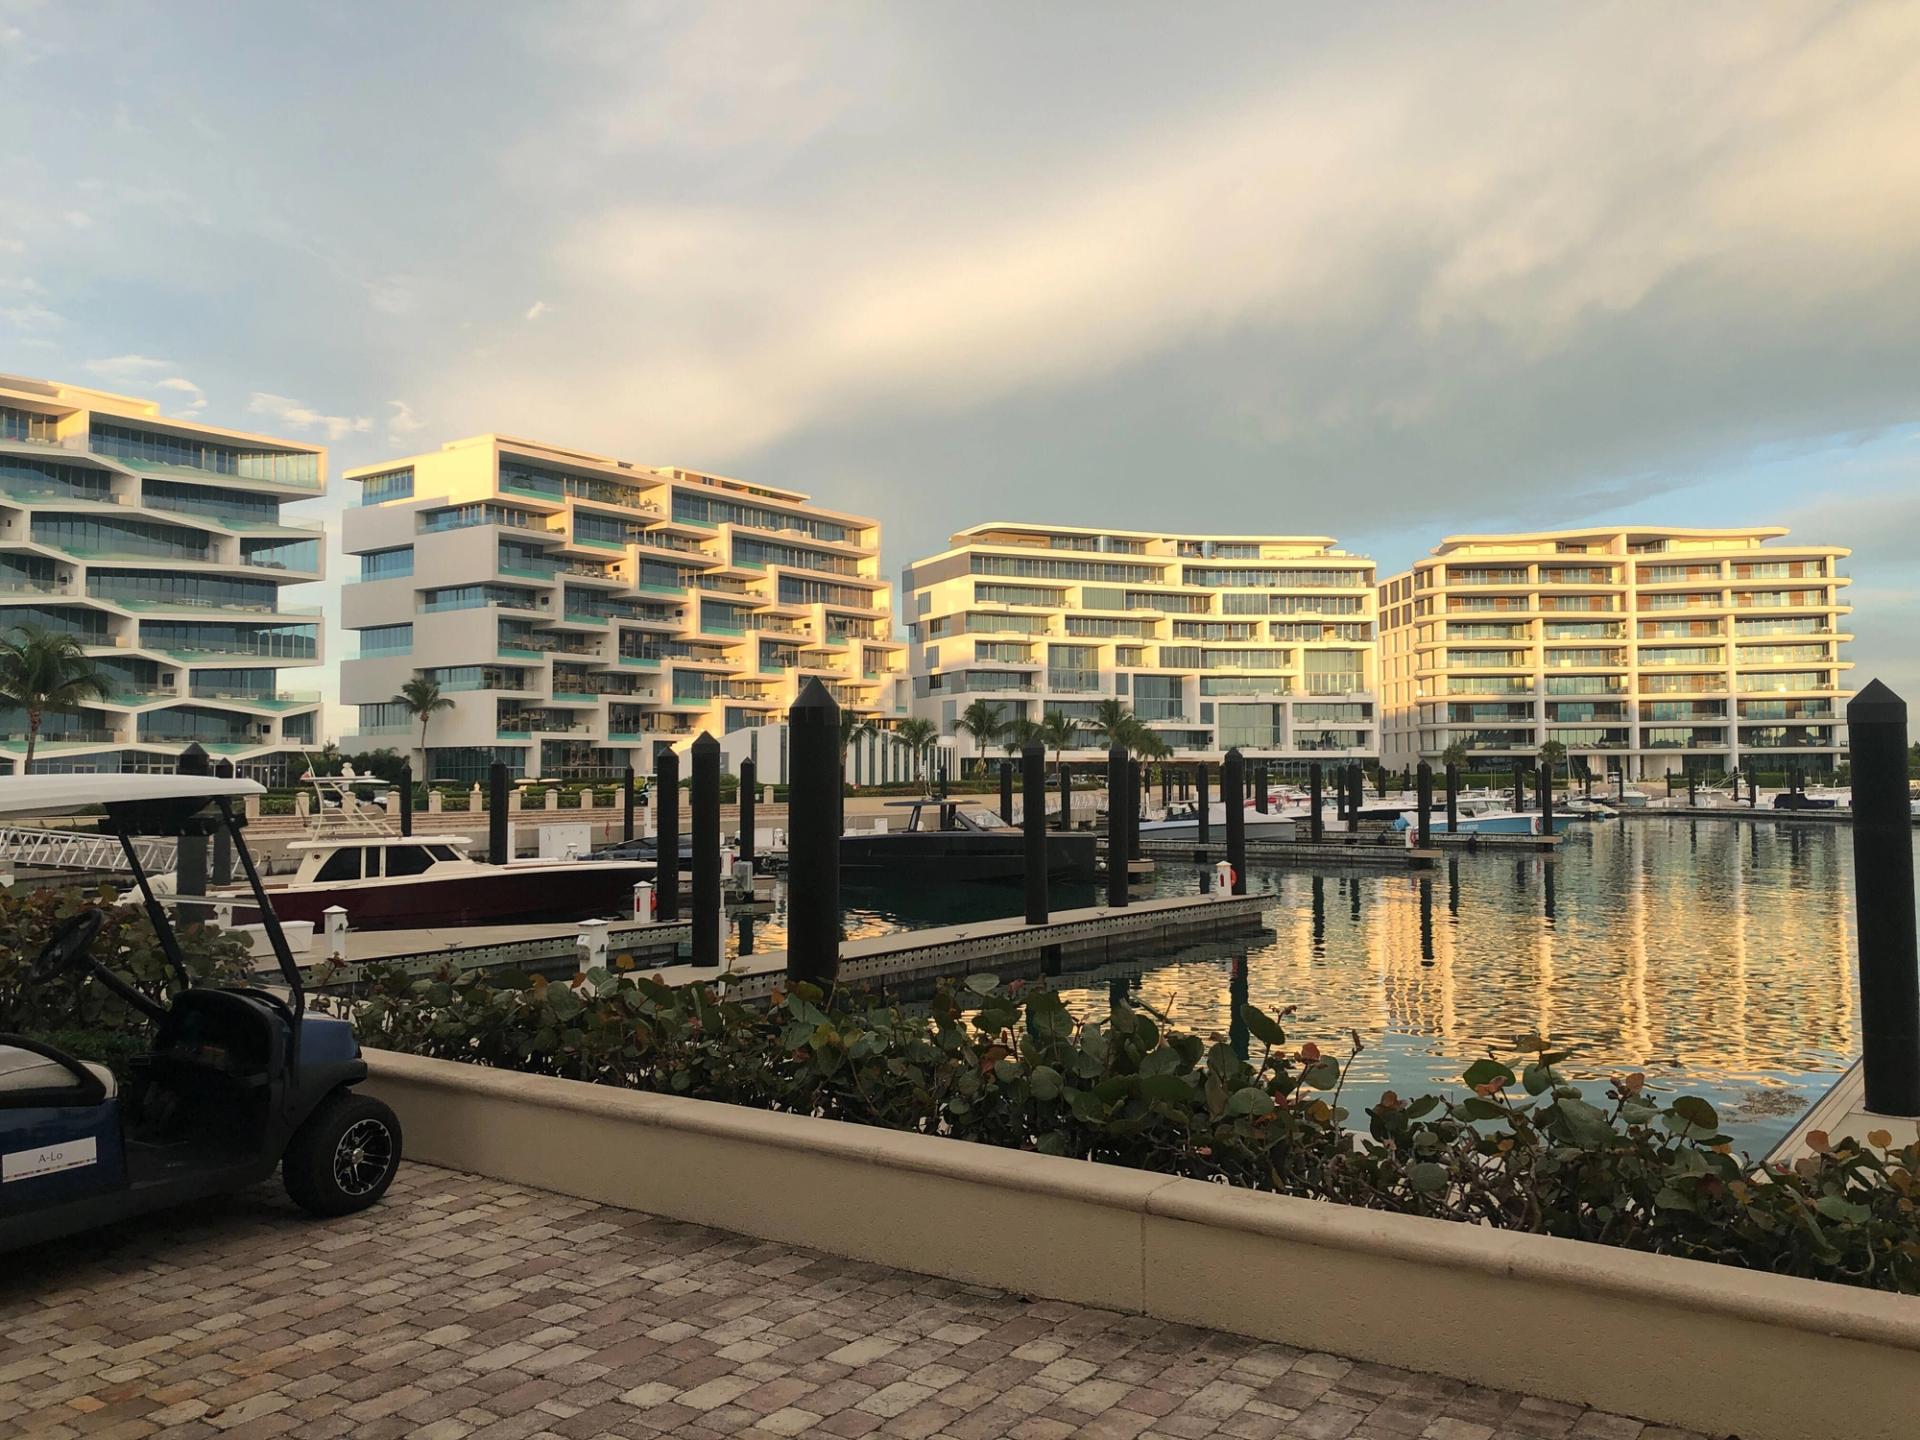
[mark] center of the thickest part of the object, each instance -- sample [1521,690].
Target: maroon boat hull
[589,888]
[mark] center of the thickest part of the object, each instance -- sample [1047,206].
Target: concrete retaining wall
[1676,1341]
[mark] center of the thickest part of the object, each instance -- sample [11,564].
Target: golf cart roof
[64,794]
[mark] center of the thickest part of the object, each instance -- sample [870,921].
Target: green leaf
[1486,1072]
[1423,1106]
[1046,1082]
[1672,1197]
[1250,1100]
[1168,1088]
[1477,1108]
[1537,1078]
[1583,1124]
[1427,1178]
[1047,1016]
[1323,1074]
[1697,1113]
[981,983]
[1164,1061]
[1834,1208]
[1262,1026]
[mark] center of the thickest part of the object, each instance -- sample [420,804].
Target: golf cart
[239,1078]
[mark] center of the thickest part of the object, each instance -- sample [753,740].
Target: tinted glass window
[343,865]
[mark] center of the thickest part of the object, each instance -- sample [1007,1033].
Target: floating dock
[552,948]
[1009,947]
[1334,850]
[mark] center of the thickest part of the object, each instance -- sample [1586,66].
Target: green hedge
[1522,1149]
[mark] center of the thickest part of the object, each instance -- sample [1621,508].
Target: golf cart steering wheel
[68,944]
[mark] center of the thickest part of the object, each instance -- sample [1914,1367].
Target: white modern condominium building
[161,545]
[1639,650]
[581,610]
[1264,642]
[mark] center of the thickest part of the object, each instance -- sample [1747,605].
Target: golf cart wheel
[344,1157]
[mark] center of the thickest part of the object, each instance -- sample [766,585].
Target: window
[386,640]
[387,485]
[762,553]
[691,509]
[85,535]
[30,479]
[148,589]
[408,860]
[302,555]
[386,715]
[154,447]
[343,864]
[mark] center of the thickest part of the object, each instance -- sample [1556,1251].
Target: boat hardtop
[950,814]
[27,795]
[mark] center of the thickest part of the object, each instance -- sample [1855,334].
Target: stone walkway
[464,1307]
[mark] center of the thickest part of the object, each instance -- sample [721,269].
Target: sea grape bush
[1522,1148]
[69,1002]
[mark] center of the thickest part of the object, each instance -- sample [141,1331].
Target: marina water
[1716,956]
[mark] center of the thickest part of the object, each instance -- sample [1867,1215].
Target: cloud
[292,415]
[196,397]
[31,316]
[402,422]
[1535,254]
[128,369]
[537,309]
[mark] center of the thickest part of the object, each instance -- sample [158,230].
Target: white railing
[69,850]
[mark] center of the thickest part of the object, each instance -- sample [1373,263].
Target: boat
[1484,818]
[949,839]
[1182,822]
[353,857]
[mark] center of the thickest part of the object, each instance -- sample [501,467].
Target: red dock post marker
[1883,901]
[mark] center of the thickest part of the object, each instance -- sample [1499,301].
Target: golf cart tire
[319,1185]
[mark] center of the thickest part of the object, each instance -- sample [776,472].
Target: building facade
[1639,650]
[581,610]
[1264,642]
[161,545]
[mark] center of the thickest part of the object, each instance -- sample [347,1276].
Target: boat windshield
[982,819]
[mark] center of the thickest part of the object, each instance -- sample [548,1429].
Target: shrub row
[1521,1148]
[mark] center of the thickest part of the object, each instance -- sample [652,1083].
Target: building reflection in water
[1715,956]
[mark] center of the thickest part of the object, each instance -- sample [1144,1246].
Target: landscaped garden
[1521,1146]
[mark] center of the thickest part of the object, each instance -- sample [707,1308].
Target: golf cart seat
[26,1072]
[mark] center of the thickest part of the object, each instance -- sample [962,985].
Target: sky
[1383,272]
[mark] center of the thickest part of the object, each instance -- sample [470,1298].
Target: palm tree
[1056,732]
[1115,725]
[982,721]
[423,700]
[1020,733]
[918,736]
[44,671]
[1454,754]
[1551,754]
[1149,745]
[853,727]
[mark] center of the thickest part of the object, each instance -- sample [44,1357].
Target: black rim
[363,1157]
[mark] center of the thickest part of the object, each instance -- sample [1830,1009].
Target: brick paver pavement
[467,1309]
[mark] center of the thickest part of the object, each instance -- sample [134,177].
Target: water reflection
[1714,955]
[1718,956]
